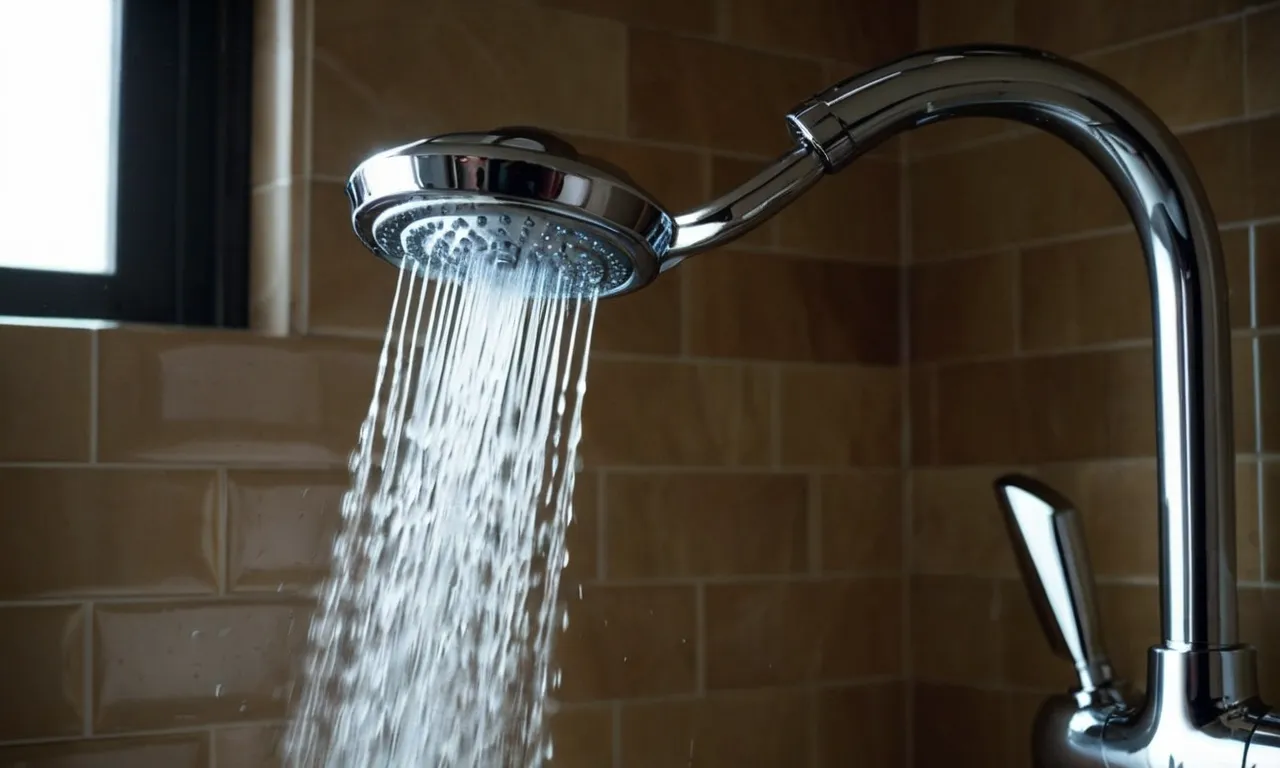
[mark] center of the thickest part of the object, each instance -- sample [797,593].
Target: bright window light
[58,75]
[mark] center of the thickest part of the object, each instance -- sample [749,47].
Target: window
[125,140]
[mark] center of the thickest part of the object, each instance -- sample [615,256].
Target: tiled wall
[1030,348]
[169,494]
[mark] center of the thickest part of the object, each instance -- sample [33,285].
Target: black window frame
[184,104]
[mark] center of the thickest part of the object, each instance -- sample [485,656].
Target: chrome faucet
[606,236]
[1202,708]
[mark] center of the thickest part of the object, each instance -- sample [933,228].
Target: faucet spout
[1148,168]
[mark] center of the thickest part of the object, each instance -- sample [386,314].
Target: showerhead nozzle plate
[516,197]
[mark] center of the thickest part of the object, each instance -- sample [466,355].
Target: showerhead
[515,196]
[521,196]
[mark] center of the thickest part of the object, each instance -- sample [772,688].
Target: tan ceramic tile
[841,417]
[627,642]
[1265,635]
[49,378]
[1189,78]
[582,738]
[691,91]
[186,750]
[281,527]
[224,396]
[1021,708]
[347,287]
[721,731]
[1095,291]
[955,626]
[582,540]
[1271,518]
[1245,427]
[963,307]
[1070,28]
[775,634]
[946,22]
[99,532]
[1130,625]
[768,306]
[708,414]
[255,746]
[862,725]
[1089,405]
[1269,380]
[923,416]
[42,692]
[1232,161]
[645,322]
[1084,292]
[870,33]
[1267,274]
[995,195]
[957,525]
[853,214]
[1117,505]
[727,173]
[1248,520]
[1262,33]
[705,524]
[1235,253]
[676,178]
[977,413]
[861,522]
[164,666]
[966,726]
[499,63]
[1028,659]
[697,17]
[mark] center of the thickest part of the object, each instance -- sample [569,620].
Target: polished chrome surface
[1048,542]
[1153,176]
[752,203]
[1201,707]
[509,195]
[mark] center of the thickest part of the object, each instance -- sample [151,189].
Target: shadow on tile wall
[171,494]
[1030,339]
[775,569]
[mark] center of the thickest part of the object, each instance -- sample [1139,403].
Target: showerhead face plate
[515,197]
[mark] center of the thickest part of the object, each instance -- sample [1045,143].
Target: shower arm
[1199,671]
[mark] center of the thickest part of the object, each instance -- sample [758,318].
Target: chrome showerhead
[516,196]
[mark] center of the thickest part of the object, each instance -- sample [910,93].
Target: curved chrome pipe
[1153,176]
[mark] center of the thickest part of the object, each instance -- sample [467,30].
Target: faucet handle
[1048,541]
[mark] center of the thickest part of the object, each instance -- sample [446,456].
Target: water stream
[432,639]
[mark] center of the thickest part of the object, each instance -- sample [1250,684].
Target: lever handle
[1048,541]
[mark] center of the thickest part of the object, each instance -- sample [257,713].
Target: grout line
[602,527]
[207,599]
[1155,37]
[814,527]
[616,727]
[1244,64]
[171,466]
[1256,351]
[213,748]
[222,547]
[86,703]
[724,22]
[775,417]
[95,355]
[1017,301]
[700,647]
[906,243]
[814,731]
[686,313]
[142,733]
